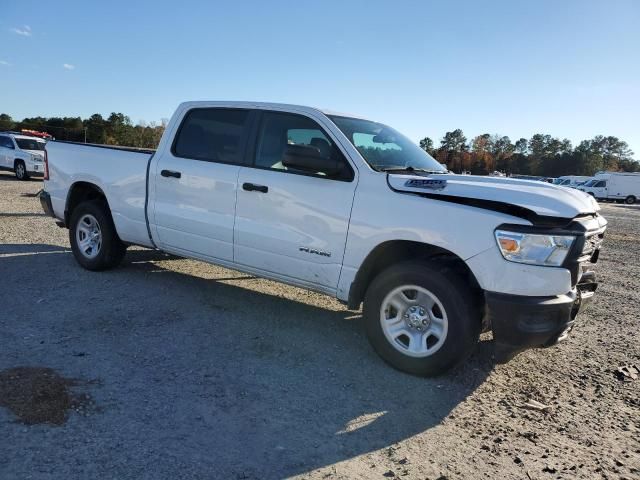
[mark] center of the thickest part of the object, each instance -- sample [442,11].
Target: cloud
[25,31]
[5,64]
[68,66]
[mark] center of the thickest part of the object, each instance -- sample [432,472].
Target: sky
[567,68]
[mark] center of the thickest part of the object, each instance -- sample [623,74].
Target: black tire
[20,169]
[630,200]
[111,250]
[464,317]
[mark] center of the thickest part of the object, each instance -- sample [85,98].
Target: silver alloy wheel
[414,321]
[89,236]
[20,171]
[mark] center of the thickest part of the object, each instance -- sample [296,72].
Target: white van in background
[614,186]
[571,180]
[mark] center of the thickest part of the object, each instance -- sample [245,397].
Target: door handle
[252,187]
[170,173]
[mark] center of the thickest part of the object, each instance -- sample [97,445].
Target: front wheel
[420,318]
[20,170]
[93,237]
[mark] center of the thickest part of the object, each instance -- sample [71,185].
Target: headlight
[534,248]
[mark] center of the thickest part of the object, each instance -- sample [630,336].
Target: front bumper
[520,322]
[35,169]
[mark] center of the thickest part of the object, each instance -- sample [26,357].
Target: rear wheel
[20,170]
[630,200]
[94,241]
[420,318]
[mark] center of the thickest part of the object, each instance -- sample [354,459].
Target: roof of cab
[265,106]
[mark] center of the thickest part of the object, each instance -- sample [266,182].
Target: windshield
[590,183]
[384,148]
[29,144]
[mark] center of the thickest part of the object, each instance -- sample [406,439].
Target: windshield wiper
[398,168]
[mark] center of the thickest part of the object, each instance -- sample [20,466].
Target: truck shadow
[11,177]
[25,214]
[230,376]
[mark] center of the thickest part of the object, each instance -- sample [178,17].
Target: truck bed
[120,172]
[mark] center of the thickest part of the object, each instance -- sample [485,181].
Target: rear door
[293,224]
[194,199]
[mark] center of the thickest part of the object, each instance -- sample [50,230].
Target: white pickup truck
[347,207]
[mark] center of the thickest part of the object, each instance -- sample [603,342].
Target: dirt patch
[40,395]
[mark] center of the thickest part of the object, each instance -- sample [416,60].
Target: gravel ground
[196,371]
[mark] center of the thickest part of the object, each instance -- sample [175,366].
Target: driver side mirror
[309,159]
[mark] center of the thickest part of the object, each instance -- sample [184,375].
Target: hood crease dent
[540,203]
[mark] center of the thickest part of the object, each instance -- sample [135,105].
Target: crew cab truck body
[22,154]
[347,207]
[618,186]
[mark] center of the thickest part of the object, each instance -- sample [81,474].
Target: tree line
[116,129]
[541,155]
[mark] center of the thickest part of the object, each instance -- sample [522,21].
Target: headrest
[322,145]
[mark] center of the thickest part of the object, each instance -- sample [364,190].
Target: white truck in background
[22,154]
[344,206]
[572,181]
[618,186]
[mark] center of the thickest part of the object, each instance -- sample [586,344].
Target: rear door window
[213,135]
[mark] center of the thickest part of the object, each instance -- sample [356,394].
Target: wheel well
[392,252]
[78,193]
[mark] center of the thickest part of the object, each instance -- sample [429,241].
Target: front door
[194,199]
[290,222]
[600,189]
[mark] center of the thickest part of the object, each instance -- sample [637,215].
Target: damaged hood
[541,198]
